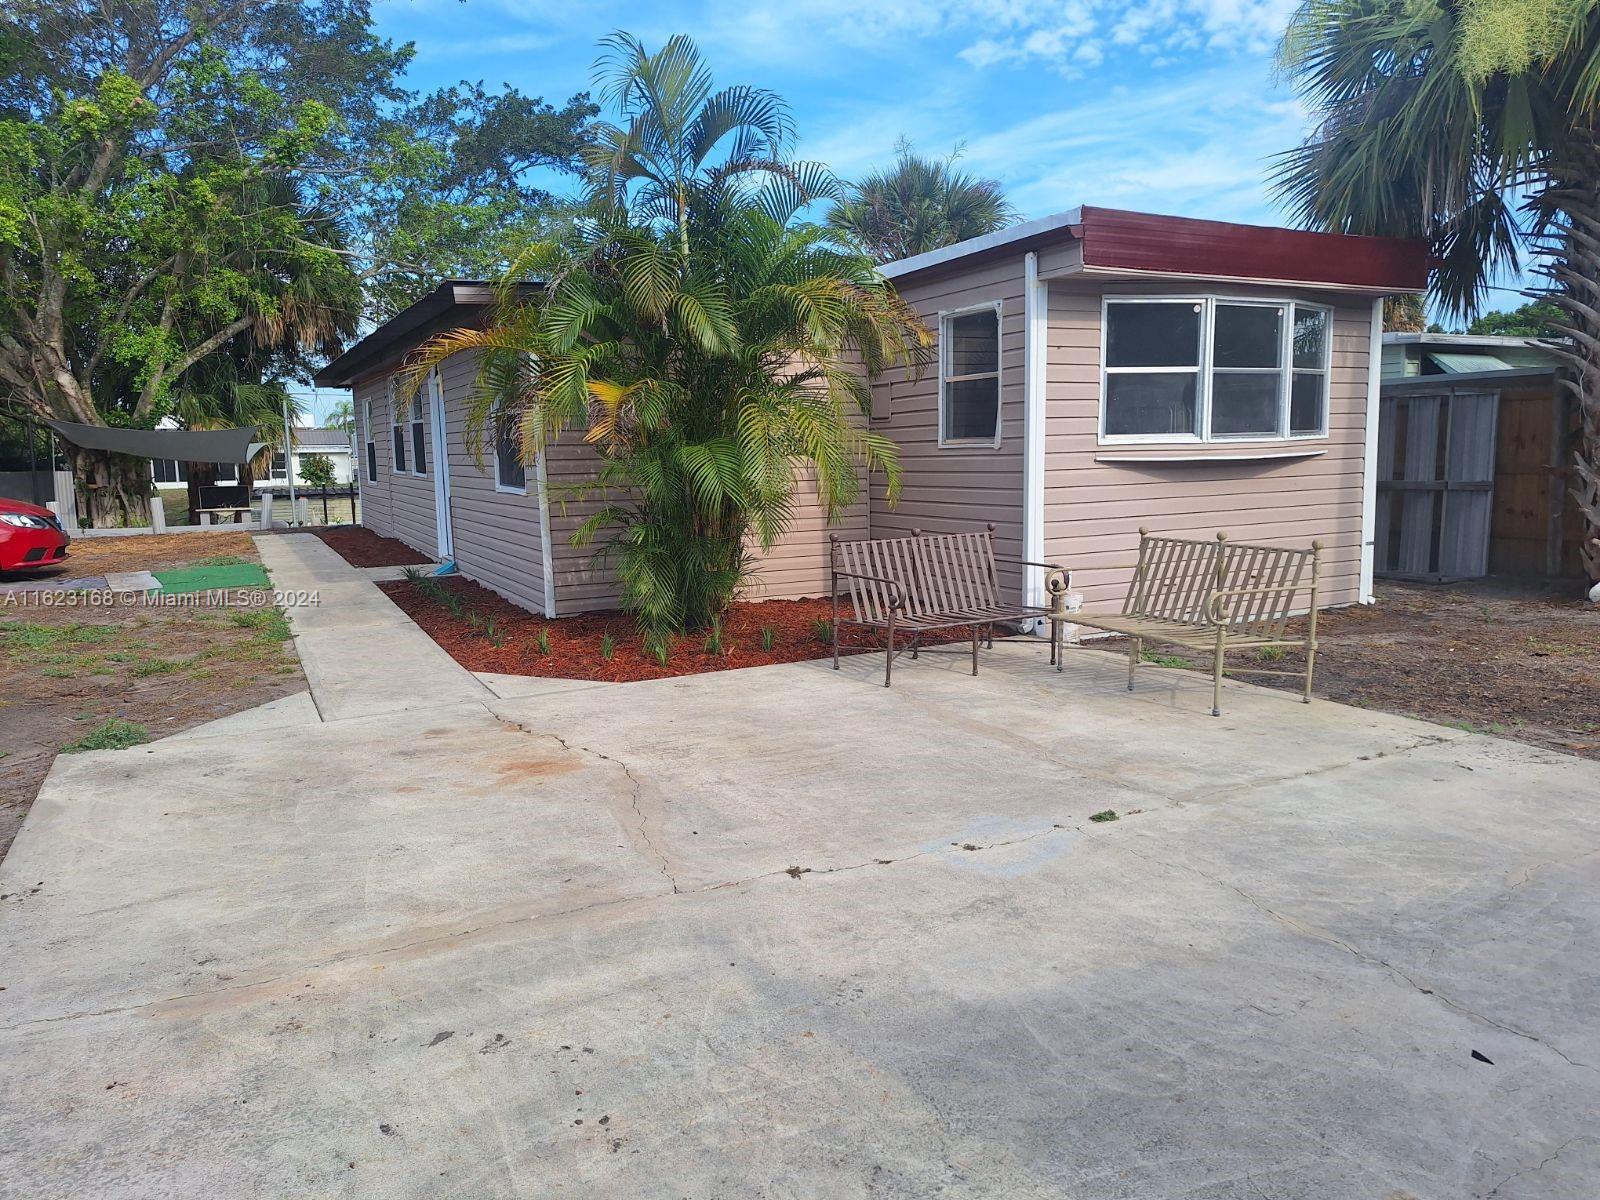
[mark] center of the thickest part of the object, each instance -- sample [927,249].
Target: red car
[30,536]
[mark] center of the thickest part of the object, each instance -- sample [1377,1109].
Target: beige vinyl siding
[496,533]
[375,506]
[957,488]
[404,507]
[799,563]
[1093,509]
[584,581]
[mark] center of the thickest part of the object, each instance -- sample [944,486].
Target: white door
[441,469]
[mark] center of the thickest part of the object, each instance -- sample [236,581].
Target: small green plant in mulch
[542,642]
[111,734]
[475,621]
[713,642]
[413,574]
[660,652]
[608,646]
[493,631]
[1105,814]
[769,635]
[1163,660]
[1272,653]
[823,628]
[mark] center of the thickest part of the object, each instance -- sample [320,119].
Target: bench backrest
[1176,577]
[938,573]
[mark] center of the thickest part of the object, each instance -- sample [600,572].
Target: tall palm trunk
[1573,201]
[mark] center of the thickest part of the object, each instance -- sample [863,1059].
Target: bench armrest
[897,593]
[1057,578]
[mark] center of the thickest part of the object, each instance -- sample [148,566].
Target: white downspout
[1036,328]
[1369,455]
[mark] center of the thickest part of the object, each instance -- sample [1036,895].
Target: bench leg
[888,659]
[1055,644]
[1216,678]
[1311,658]
[916,646]
[1135,648]
[975,632]
[836,626]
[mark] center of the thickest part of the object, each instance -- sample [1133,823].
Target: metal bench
[929,582]
[1216,595]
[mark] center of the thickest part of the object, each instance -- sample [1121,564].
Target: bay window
[1213,369]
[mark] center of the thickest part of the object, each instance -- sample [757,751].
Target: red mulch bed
[360,547]
[575,642]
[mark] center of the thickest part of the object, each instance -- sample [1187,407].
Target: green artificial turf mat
[212,578]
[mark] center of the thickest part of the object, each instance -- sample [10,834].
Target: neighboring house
[1097,371]
[1406,355]
[334,444]
[1475,460]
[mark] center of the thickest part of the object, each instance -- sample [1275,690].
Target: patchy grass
[155,666]
[111,734]
[269,623]
[1163,660]
[26,635]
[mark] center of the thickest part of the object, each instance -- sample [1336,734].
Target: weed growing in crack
[1108,814]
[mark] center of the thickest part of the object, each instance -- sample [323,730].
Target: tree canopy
[917,205]
[197,195]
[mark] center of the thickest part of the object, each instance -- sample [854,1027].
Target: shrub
[316,470]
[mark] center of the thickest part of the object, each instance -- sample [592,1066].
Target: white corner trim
[546,552]
[1036,329]
[1369,455]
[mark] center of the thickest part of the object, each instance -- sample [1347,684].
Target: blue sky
[1167,105]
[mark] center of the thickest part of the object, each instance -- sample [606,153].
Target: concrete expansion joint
[1315,933]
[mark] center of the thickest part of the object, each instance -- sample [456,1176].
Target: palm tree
[710,342]
[1475,124]
[919,204]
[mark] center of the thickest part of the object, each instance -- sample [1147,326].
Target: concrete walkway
[782,933]
[362,656]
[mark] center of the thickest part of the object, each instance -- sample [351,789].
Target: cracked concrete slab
[783,933]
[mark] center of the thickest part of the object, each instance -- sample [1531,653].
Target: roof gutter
[1069,221]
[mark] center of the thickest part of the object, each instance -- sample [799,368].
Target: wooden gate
[1435,483]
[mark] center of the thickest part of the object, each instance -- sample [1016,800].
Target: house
[1097,370]
[333,444]
[1475,460]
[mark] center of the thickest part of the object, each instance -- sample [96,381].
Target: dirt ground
[1515,661]
[124,673]
[489,633]
[96,555]
[360,547]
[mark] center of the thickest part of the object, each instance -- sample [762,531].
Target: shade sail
[184,445]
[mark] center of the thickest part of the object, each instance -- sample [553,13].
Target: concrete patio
[783,933]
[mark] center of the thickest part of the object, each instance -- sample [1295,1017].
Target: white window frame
[370,459]
[1206,368]
[509,489]
[419,422]
[398,430]
[945,316]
